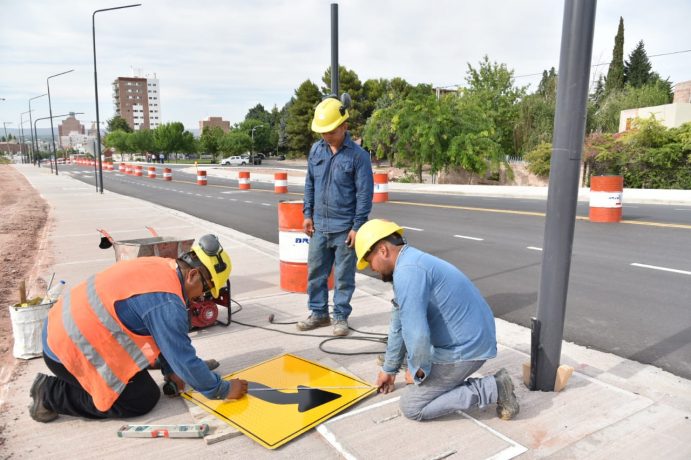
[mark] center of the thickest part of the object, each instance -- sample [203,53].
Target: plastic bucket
[27,327]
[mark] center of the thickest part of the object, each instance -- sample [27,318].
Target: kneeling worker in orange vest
[102,336]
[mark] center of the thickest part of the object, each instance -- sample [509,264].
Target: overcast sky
[220,58]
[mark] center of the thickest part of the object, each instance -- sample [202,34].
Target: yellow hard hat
[210,253]
[329,115]
[368,235]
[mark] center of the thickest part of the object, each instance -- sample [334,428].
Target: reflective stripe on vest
[90,353]
[89,339]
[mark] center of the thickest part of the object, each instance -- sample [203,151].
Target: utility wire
[593,65]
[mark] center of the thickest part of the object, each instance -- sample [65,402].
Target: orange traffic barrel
[293,248]
[244,180]
[606,198]
[201,177]
[281,182]
[167,174]
[122,167]
[138,170]
[381,188]
[152,172]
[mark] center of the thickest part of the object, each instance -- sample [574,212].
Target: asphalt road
[630,284]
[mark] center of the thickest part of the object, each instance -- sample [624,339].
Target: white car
[234,161]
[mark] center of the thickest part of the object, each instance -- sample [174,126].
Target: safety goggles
[212,248]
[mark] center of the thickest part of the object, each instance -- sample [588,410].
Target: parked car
[234,161]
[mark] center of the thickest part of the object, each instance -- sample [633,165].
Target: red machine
[202,313]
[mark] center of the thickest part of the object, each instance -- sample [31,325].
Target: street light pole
[21,131]
[252,151]
[31,123]
[4,125]
[50,111]
[98,120]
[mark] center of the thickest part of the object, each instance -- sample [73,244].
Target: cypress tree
[637,69]
[615,75]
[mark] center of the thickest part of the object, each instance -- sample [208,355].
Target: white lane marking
[664,269]
[533,248]
[209,196]
[266,204]
[413,229]
[232,199]
[682,209]
[248,202]
[469,238]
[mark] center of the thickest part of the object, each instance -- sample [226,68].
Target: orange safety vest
[87,336]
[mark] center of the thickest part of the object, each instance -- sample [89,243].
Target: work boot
[38,409]
[313,322]
[341,328]
[507,404]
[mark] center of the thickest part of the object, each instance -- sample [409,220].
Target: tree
[491,86]
[141,141]
[300,113]
[637,70]
[118,123]
[539,159]
[258,112]
[172,137]
[235,142]
[118,140]
[606,118]
[535,122]
[210,140]
[348,82]
[615,74]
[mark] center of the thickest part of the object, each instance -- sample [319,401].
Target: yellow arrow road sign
[287,396]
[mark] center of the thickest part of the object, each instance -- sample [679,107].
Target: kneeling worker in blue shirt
[441,321]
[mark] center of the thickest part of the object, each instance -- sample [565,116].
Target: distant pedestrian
[440,324]
[338,200]
[161,157]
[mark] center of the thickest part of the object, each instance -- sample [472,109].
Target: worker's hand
[350,240]
[238,389]
[179,383]
[308,226]
[385,382]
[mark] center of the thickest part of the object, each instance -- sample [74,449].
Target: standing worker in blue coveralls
[338,199]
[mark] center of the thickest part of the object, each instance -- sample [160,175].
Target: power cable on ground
[375,337]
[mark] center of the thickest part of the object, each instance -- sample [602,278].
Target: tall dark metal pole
[334,49]
[569,131]
[50,112]
[21,130]
[99,178]
[31,129]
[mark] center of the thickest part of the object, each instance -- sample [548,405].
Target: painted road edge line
[664,269]
[415,229]
[533,248]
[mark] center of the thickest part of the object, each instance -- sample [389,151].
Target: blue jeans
[448,389]
[327,250]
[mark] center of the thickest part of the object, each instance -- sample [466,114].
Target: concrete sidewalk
[611,408]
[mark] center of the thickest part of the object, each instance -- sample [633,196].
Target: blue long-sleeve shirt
[338,187]
[163,316]
[439,316]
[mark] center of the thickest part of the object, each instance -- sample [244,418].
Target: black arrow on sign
[306,398]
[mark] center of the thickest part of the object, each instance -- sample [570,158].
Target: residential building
[670,115]
[214,122]
[138,101]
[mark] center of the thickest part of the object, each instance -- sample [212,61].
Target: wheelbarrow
[203,313]
[159,246]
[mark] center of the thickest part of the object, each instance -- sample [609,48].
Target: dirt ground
[23,216]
